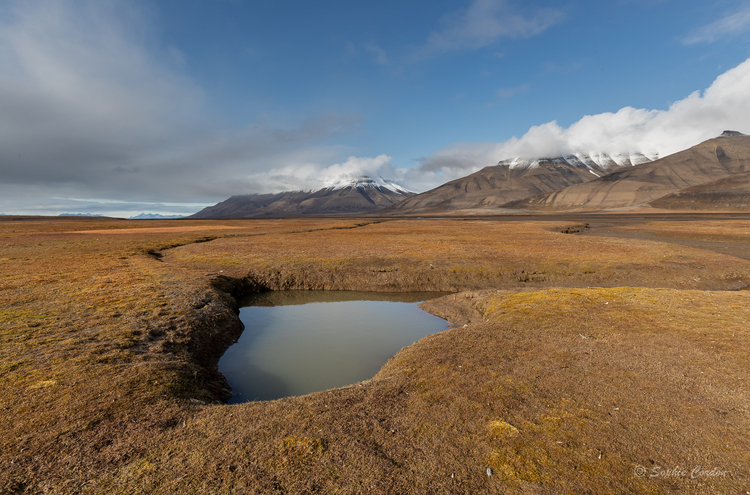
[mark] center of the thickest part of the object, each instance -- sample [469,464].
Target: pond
[298,342]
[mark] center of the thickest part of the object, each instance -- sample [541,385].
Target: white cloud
[700,116]
[483,23]
[89,108]
[378,54]
[731,25]
[64,74]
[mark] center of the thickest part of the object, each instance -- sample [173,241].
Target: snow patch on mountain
[593,160]
[365,182]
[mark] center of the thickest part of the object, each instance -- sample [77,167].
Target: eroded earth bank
[575,363]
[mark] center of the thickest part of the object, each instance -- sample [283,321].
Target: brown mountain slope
[731,192]
[704,163]
[496,185]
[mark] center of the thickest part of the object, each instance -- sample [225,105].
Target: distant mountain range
[142,216]
[154,216]
[712,174]
[359,195]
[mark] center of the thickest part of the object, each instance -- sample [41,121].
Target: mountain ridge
[346,196]
[588,181]
[713,159]
[515,179]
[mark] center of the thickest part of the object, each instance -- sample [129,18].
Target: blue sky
[119,107]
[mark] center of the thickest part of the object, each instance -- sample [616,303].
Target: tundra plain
[598,353]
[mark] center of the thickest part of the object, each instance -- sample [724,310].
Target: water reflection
[297,342]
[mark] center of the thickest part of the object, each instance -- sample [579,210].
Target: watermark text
[678,472]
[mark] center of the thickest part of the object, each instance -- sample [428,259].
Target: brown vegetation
[109,344]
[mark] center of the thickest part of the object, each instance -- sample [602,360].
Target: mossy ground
[573,360]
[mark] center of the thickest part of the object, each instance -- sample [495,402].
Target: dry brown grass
[719,230]
[457,255]
[105,338]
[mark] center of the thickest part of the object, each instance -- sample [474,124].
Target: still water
[297,342]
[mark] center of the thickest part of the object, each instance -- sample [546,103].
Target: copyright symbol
[640,471]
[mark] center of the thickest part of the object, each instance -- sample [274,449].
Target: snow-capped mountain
[712,171]
[365,182]
[356,195]
[517,178]
[595,162]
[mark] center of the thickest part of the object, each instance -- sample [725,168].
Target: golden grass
[455,255]
[555,387]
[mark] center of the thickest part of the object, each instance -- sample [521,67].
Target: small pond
[298,342]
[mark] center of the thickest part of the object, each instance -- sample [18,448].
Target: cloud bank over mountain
[700,116]
[311,176]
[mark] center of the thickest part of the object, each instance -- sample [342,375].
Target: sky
[120,107]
